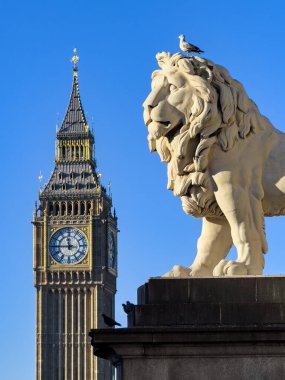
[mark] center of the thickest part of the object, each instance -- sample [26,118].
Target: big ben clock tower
[75,255]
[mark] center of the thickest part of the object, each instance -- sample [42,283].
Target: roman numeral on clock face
[68,245]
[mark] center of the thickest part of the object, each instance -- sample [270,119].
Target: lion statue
[225,161]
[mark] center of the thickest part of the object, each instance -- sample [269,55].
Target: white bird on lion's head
[187,47]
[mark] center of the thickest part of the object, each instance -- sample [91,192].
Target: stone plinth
[199,329]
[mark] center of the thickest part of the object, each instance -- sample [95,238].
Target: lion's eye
[172,88]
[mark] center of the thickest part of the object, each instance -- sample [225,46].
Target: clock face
[111,250]
[68,245]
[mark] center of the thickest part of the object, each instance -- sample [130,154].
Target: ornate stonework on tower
[75,255]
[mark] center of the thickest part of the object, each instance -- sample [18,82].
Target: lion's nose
[152,100]
[146,115]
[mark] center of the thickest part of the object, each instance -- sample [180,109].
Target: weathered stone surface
[194,354]
[250,289]
[201,328]
[211,301]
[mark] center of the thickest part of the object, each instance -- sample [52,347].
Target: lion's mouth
[166,123]
[173,131]
[158,129]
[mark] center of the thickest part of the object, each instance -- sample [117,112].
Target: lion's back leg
[213,245]
[242,207]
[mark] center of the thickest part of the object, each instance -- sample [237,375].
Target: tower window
[68,153]
[75,208]
[57,209]
[71,175]
[52,187]
[69,208]
[82,175]
[77,152]
[82,208]
[51,209]
[60,176]
[63,152]
[88,208]
[63,209]
[81,152]
[76,186]
[75,315]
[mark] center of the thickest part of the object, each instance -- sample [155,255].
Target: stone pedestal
[199,329]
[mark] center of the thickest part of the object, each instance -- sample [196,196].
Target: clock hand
[61,246]
[58,246]
[70,246]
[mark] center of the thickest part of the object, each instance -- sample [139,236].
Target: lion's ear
[163,59]
[186,65]
[206,73]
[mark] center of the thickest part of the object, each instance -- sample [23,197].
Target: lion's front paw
[178,271]
[230,268]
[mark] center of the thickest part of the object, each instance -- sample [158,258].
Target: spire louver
[75,120]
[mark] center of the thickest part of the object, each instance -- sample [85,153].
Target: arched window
[88,208]
[50,209]
[75,208]
[69,208]
[56,209]
[81,152]
[82,208]
[63,208]
[77,152]
[63,152]
[68,153]
[72,152]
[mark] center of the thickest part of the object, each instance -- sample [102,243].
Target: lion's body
[258,163]
[225,160]
[273,176]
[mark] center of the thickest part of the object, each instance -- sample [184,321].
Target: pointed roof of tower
[74,121]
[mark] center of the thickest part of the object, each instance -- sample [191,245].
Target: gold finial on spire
[75,59]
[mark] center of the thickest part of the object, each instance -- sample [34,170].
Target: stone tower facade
[75,255]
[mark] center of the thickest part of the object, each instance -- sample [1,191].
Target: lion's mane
[221,113]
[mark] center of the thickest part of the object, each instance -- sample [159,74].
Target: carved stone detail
[223,157]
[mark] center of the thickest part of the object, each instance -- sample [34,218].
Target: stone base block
[199,329]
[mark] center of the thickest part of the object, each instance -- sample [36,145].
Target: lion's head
[194,104]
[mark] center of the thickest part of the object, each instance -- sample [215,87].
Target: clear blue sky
[117,42]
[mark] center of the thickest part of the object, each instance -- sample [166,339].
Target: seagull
[128,307]
[188,48]
[109,321]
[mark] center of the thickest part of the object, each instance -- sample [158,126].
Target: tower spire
[74,121]
[74,138]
